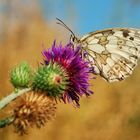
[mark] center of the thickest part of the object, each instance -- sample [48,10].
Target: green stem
[6,100]
[6,121]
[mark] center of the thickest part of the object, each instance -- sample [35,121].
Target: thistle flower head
[33,109]
[73,66]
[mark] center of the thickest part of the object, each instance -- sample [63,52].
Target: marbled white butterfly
[113,53]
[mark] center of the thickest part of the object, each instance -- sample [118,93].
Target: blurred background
[113,112]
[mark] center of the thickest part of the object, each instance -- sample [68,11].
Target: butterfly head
[74,39]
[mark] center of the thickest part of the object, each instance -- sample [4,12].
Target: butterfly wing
[113,53]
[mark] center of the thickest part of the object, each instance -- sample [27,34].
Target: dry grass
[112,113]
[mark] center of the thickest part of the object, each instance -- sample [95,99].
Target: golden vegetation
[112,113]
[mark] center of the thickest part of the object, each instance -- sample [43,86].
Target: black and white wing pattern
[112,52]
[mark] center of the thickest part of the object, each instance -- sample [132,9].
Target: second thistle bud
[51,79]
[20,75]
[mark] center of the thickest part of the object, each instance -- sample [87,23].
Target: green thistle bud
[20,75]
[51,79]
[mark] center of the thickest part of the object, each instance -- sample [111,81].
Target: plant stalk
[6,100]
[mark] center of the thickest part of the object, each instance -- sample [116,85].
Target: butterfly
[113,53]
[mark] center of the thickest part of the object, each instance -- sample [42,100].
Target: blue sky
[90,15]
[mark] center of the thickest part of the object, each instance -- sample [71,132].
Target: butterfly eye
[73,39]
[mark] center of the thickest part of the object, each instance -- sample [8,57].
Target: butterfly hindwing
[113,52]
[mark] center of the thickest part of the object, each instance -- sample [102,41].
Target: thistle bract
[51,79]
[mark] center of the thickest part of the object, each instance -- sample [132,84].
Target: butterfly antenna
[60,22]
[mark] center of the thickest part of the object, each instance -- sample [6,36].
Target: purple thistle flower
[76,68]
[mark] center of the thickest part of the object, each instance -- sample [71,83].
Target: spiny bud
[33,109]
[51,79]
[20,75]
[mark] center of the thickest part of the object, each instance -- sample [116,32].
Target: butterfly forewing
[113,53]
